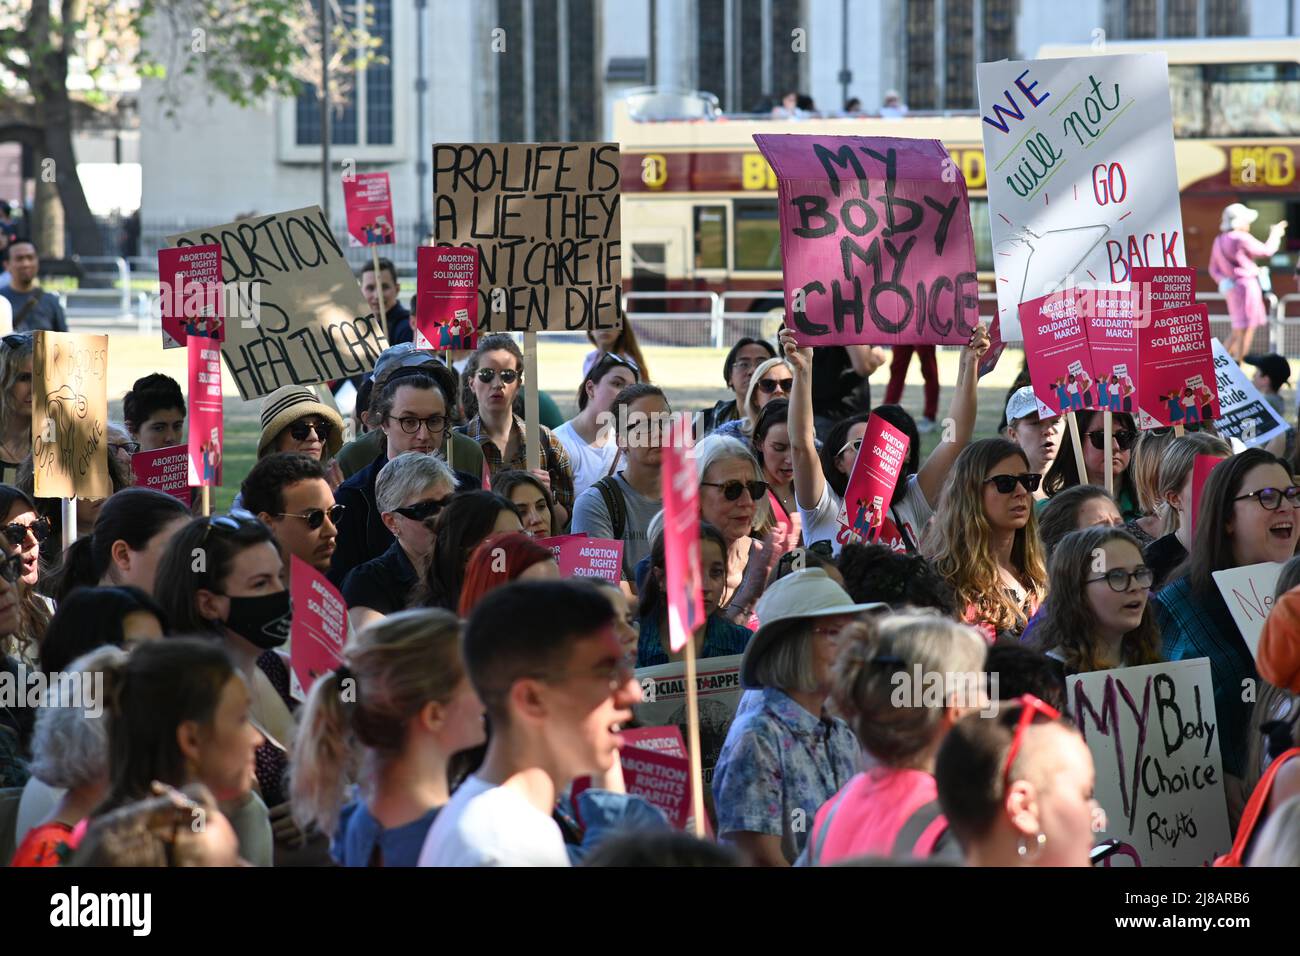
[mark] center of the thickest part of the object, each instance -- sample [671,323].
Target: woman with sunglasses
[21,536]
[715,636]
[531,499]
[1018,789]
[1064,472]
[15,402]
[295,420]
[589,437]
[772,379]
[1095,619]
[1173,494]
[1249,513]
[984,542]
[771,444]
[821,478]
[891,810]
[460,527]
[411,491]
[237,596]
[154,410]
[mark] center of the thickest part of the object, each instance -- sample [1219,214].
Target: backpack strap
[616,508]
[1254,807]
[923,821]
[817,842]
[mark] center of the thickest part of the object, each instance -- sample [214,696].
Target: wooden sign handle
[69,508]
[532,433]
[693,740]
[379,287]
[1073,426]
[1109,427]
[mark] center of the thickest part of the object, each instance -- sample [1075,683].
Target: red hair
[513,550]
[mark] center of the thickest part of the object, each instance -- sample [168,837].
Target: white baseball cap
[1024,403]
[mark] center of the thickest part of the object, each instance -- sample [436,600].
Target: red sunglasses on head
[1033,707]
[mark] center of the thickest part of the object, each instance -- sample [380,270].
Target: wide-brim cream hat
[289,403]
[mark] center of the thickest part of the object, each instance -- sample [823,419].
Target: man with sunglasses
[34,308]
[498,376]
[291,495]
[1038,436]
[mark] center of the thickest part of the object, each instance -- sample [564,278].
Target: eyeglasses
[1005,484]
[855,445]
[234,522]
[1270,498]
[732,490]
[16,533]
[769,385]
[1033,707]
[486,375]
[614,675]
[1119,579]
[322,430]
[130,447]
[411,425]
[423,510]
[315,517]
[1124,438]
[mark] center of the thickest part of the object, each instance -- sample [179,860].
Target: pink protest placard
[189,293]
[591,558]
[1177,384]
[446,298]
[666,740]
[876,470]
[681,495]
[320,623]
[1167,287]
[369,204]
[1202,465]
[1056,346]
[206,427]
[1110,323]
[662,779]
[876,240]
[165,470]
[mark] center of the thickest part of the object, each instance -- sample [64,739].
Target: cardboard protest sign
[1248,592]
[1154,739]
[301,318]
[681,497]
[1177,384]
[369,203]
[545,220]
[70,415]
[1056,346]
[1243,412]
[164,469]
[1169,287]
[446,297]
[1202,465]
[876,240]
[1110,322]
[663,701]
[189,293]
[876,469]
[320,625]
[207,428]
[1081,178]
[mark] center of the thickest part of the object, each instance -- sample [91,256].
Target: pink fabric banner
[681,496]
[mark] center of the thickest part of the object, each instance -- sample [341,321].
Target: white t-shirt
[590,464]
[910,515]
[487,825]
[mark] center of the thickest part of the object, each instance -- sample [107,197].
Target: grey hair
[656,525]
[719,448]
[409,474]
[788,663]
[69,745]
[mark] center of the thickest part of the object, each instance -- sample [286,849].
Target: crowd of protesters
[478,686]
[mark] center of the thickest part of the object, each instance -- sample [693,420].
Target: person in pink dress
[1233,267]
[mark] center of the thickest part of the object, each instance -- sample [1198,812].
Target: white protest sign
[1081,177]
[663,701]
[1154,738]
[1248,592]
[1244,413]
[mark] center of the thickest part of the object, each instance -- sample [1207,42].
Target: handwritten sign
[1110,320]
[545,219]
[369,203]
[207,428]
[1177,384]
[1243,412]
[879,462]
[189,293]
[70,415]
[1056,346]
[165,470]
[1081,177]
[1248,592]
[446,298]
[663,702]
[301,319]
[1154,739]
[320,625]
[681,495]
[876,240]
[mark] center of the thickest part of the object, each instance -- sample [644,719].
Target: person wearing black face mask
[223,576]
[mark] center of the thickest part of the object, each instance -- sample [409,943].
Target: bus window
[979,220]
[1187,100]
[710,237]
[649,267]
[757,235]
[1253,99]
